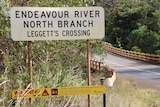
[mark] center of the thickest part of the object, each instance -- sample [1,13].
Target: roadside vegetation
[126,93]
[60,63]
[55,63]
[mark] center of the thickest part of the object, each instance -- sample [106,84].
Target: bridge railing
[151,58]
[97,65]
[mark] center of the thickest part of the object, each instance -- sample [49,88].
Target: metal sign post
[29,46]
[88,69]
[104,95]
[30,65]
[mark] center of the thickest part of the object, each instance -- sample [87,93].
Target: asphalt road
[133,68]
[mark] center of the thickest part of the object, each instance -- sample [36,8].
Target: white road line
[131,67]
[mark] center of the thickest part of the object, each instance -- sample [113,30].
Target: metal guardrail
[151,58]
[97,65]
[100,66]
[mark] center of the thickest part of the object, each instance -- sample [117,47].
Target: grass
[123,94]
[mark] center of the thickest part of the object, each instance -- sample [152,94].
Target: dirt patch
[144,84]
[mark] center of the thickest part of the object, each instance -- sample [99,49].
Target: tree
[144,39]
[135,24]
[122,23]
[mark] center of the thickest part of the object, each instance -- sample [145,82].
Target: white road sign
[58,23]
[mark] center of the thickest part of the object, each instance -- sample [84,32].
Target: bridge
[134,68]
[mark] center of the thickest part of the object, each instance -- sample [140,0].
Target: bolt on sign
[62,91]
[58,23]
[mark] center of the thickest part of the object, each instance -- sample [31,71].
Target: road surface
[132,68]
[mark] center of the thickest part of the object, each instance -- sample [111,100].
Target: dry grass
[123,94]
[127,94]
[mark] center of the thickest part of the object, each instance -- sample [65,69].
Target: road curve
[133,68]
